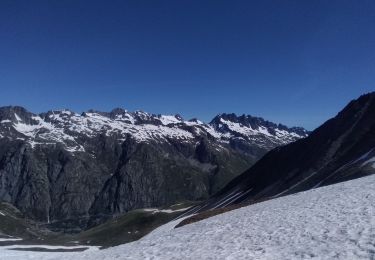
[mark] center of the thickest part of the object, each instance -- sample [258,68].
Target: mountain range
[120,175]
[74,171]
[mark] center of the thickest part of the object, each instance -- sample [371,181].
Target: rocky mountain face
[75,170]
[341,149]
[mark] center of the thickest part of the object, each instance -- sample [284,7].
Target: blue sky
[294,62]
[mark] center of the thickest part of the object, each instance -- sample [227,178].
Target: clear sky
[295,62]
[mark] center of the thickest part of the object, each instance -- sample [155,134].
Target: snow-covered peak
[246,126]
[166,120]
[15,114]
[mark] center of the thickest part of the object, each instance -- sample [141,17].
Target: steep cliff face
[75,170]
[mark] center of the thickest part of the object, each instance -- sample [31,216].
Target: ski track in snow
[333,222]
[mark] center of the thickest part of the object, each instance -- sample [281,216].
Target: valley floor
[334,222]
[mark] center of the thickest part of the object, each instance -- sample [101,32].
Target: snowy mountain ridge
[67,128]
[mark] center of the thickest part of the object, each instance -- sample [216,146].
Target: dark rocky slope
[341,149]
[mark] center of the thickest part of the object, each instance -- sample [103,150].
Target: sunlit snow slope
[333,222]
